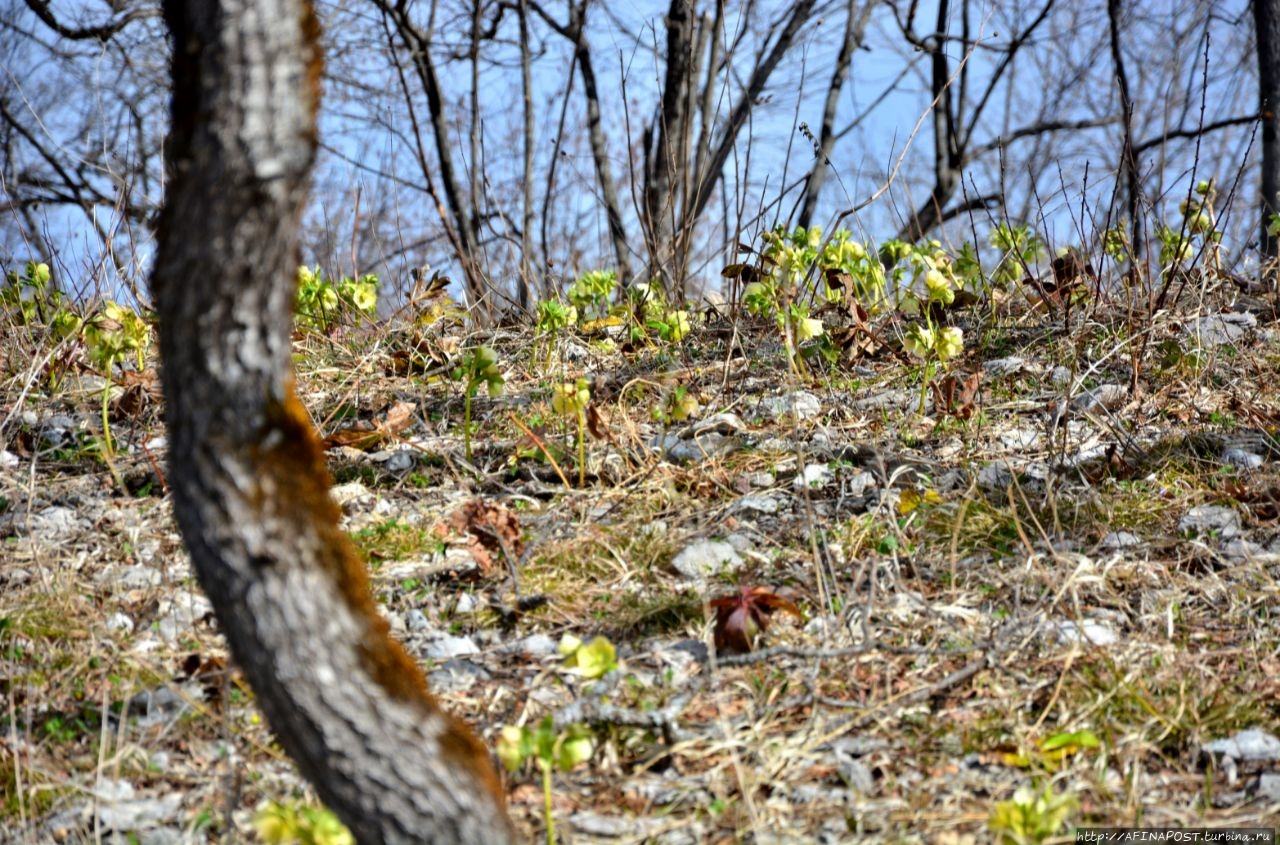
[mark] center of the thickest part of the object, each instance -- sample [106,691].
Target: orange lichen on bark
[311,32]
[294,467]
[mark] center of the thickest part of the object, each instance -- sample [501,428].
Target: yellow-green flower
[679,323]
[950,343]
[571,398]
[919,341]
[939,287]
[809,328]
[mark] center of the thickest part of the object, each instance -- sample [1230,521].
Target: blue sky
[1065,73]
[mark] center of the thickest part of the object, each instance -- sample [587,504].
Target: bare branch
[101,32]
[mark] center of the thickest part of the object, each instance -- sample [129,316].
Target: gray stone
[454,675]
[446,647]
[768,503]
[800,405]
[1019,439]
[995,477]
[1218,329]
[998,367]
[893,400]
[1060,376]
[1210,520]
[120,809]
[1268,787]
[55,523]
[1084,632]
[537,645]
[400,460]
[1120,540]
[858,485]
[1104,396]
[1252,745]
[159,706]
[705,558]
[813,477]
[120,622]
[700,448]
[1242,458]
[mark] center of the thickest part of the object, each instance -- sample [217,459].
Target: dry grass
[918,695]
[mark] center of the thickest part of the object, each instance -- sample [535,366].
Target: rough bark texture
[664,165]
[248,479]
[1266,16]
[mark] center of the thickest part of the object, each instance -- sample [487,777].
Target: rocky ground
[1048,601]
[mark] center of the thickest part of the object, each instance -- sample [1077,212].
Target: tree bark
[664,167]
[249,485]
[855,30]
[575,32]
[1266,17]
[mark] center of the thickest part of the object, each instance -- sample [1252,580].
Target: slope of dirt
[1061,577]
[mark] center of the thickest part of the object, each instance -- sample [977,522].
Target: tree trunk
[664,166]
[1266,17]
[248,476]
[855,30]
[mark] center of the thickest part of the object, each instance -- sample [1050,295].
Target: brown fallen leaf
[493,532]
[367,436]
[956,397]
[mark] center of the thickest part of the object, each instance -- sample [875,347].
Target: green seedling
[478,367]
[554,317]
[933,347]
[1020,249]
[552,750]
[678,406]
[110,335]
[671,326]
[555,749]
[28,298]
[797,268]
[591,293]
[1197,232]
[592,660]
[571,399]
[1031,816]
[295,824]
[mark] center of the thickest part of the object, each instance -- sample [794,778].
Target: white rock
[814,476]
[706,558]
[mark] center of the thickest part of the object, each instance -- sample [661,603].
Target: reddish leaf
[741,617]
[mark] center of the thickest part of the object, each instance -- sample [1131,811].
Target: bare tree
[1266,16]
[92,157]
[679,180]
[855,30]
[956,111]
[249,485]
[415,41]
[575,32]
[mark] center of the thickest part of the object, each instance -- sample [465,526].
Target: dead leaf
[493,533]
[746,272]
[955,397]
[595,423]
[362,435]
[367,436]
